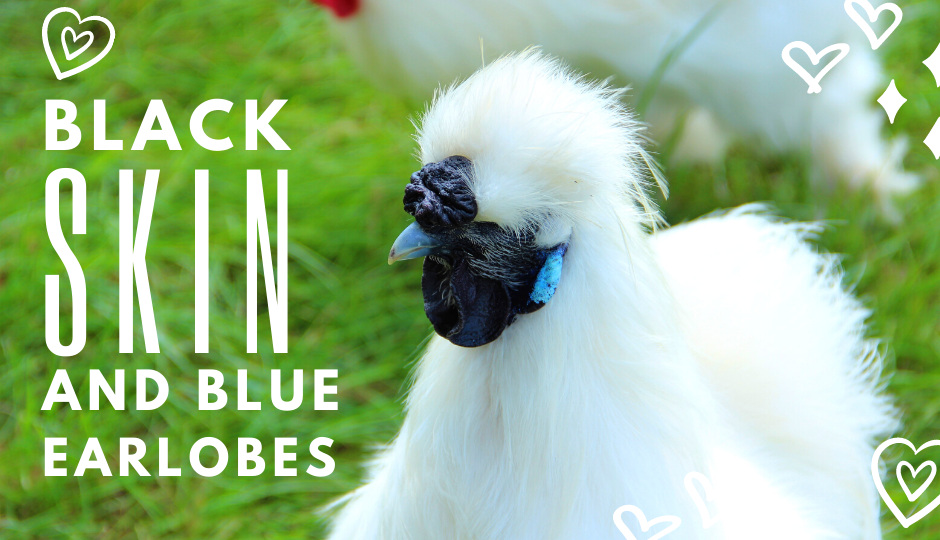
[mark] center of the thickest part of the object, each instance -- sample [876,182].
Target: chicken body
[726,347]
[724,78]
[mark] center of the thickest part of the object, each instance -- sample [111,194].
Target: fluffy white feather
[727,346]
[730,82]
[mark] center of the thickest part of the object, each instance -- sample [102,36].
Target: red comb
[340,8]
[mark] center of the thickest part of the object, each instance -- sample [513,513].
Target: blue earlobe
[547,280]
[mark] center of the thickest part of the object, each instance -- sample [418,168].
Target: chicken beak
[413,243]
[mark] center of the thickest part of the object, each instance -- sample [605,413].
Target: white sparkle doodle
[933,140]
[933,64]
[892,101]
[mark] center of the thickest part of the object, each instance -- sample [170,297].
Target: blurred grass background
[351,156]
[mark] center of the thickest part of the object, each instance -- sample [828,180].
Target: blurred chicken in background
[703,72]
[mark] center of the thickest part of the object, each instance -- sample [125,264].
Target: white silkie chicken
[728,82]
[584,363]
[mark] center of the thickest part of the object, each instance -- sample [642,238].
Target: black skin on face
[483,275]
[471,294]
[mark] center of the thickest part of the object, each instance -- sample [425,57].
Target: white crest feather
[543,140]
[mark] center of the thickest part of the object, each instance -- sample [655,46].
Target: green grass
[351,155]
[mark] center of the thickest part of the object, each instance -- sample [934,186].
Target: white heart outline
[45,42]
[83,48]
[644,525]
[707,519]
[902,519]
[913,496]
[873,15]
[813,83]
